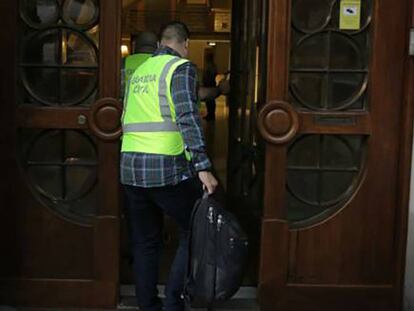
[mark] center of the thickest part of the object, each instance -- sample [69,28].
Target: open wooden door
[335,121]
[60,130]
[245,164]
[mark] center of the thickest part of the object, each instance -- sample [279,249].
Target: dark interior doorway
[231,32]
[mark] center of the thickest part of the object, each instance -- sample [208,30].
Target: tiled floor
[233,305]
[243,300]
[239,305]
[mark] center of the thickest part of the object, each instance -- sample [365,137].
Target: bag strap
[188,269]
[190,238]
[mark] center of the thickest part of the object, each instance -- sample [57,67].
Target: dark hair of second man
[174,31]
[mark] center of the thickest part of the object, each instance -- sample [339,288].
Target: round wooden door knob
[105,119]
[278,122]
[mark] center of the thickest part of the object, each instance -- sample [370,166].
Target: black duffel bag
[217,255]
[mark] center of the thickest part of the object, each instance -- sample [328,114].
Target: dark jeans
[145,212]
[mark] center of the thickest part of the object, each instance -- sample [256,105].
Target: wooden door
[336,124]
[245,169]
[60,122]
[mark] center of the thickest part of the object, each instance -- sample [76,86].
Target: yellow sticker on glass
[350,16]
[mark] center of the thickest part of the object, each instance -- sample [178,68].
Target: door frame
[405,165]
[109,274]
[273,223]
[101,290]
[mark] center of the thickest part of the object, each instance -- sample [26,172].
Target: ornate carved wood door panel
[332,230]
[60,219]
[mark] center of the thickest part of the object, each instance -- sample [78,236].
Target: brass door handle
[82,119]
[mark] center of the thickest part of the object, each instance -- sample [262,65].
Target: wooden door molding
[54,260]
[405,167]
[110,23]
[278,290]
[278,122]
[60,293]
[8,95]
[277,90]
[275,228]
[104,119]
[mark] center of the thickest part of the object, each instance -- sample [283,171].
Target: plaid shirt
[154,170]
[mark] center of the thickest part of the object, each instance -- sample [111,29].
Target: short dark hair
[175,30]
[145,42]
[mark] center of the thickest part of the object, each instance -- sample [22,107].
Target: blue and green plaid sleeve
[184,94]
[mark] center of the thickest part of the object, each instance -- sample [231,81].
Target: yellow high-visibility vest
[149,118]
[132,62]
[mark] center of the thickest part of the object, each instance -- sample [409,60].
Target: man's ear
[158,44]
[187,43]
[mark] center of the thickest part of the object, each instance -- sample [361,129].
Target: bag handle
[190,236]
[205,195]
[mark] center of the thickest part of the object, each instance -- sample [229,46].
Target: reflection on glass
[345,88]
[59,85]
[309,89]
[299,211]
[338,153]
[60,63]
[304,185]
[77,50]
[311,15]
[43,48]
[327,91]
[47,181]
[312,52]
[302,153]
[329,66]
[81,13]
[50,141]
[77,85]
[93,34]
[40,13]
[59,66]
[42,83]
[62,168]
[335,185]
[79,181]
[344,53]
[74,49]
[323,171]
[78,147]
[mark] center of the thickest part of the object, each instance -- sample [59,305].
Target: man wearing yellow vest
[144,46]
[164,165]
